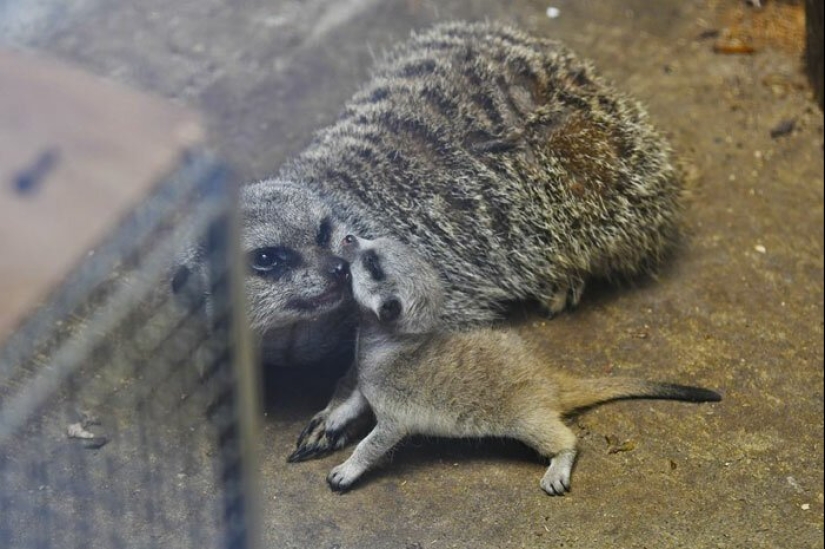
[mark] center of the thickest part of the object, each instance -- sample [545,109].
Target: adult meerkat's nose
[338,268]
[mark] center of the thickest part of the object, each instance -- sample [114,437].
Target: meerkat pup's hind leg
[548,435]
[556,480]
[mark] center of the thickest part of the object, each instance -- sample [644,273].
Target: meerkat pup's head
[391,282]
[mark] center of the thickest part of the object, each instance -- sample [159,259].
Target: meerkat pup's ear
[389,310]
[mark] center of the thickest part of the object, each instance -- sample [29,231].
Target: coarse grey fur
[502,159]
[476,383]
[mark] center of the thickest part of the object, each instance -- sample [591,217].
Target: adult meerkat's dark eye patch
[324,233]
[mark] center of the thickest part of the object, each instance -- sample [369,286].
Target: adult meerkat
[476,383]
[502,159]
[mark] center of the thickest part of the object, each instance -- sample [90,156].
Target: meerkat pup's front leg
[368,452]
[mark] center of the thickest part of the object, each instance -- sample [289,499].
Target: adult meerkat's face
[292,273]
[392,283]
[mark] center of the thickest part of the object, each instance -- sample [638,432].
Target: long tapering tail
[583,393]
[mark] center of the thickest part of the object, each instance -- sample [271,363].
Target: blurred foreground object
[125,417]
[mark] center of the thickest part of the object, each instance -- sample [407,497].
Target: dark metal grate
[156,383]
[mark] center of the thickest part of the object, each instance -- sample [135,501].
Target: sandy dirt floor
[740,308]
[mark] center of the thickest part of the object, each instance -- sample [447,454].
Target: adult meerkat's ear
[389,310]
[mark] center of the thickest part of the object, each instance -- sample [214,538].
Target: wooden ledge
[76,154]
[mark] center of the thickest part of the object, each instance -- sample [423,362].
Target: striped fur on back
[504,160]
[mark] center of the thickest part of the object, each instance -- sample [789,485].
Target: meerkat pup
[477,383]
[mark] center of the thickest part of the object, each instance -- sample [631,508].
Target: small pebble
[806,506]
[623,447]
[76,430]
[552,12]
[759,248]
[794,484]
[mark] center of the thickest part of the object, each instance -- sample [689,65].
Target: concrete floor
[740,308]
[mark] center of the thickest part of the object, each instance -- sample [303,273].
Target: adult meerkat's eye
[272,259]
[324,233]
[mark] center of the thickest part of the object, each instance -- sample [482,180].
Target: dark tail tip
[688,393]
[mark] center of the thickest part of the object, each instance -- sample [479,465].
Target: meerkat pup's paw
[556,481]
[366,455]
[342,477]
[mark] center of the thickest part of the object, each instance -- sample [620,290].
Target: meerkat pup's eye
[324,233]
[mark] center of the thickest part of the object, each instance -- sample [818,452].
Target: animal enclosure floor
[738,309]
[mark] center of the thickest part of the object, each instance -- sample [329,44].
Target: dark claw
[332,440]
[335,486]
[307,452]
[308,430]
[301,454]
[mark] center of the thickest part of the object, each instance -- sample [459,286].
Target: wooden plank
[76,153]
